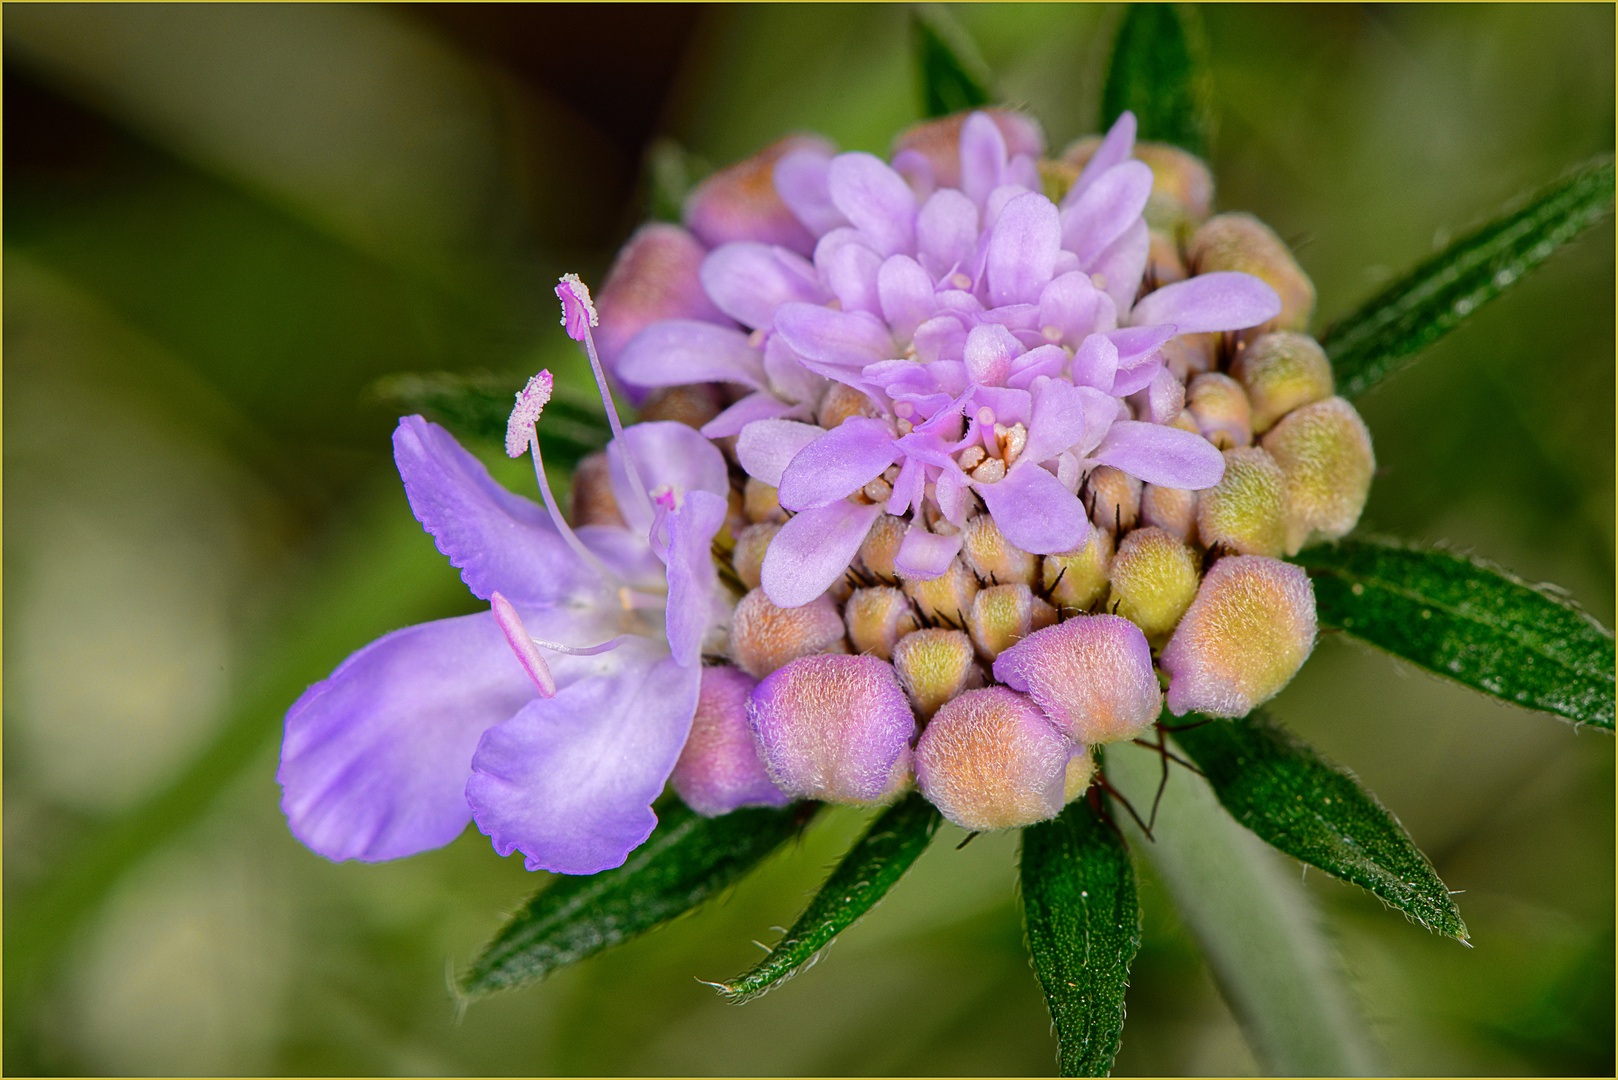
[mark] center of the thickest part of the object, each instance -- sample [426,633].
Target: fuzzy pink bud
[719,769]
[1091,674]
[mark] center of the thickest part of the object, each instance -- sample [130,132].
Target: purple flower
[553,720]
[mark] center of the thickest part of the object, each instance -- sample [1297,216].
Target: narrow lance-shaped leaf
[1430,301]
[953,76]
[871,867]
[1158,71]
[1082,914]
[686,860]
[478,406]
[1315,811]
[1464,619]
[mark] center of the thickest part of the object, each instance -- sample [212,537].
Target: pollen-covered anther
[987,554]
[751,544]
[761,503]
[1174,510]
[1281,372]
[877,618]
[991,760]
[764,637]
[881,546]
[991,471]
[1076,579]
[719,769]
[1325,452]
[971,458]
[1219,406]
[531,400]
[1154,580]
[590,500]
[834,728]
[934,666]
[946,597]
[1249,631]
[1113,498]
[1012,440]
[1246,512]
[1242,242]
[578,313]
[1003,615]
[1092,675]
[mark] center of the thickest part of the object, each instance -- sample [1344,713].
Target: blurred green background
[224,223]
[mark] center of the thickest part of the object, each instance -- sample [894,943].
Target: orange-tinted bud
[988,554]
[1075,580]
[1113,497]
[1174,510]
[590,500]
[1325,451]
[1154,579]
[1243,242]
[934,666]
[991,760]
[881,545]
[692,405]
[740,202]
[764,637]
[946,597]
[1092,674]
[1219,406]
[877,618]
[1186,355]
[760,503]
[1182,188]
[654,277]
[1281,372]
[1163,263]
[939,141]
[1003,615]
[751,544]
[1246,512]
[840,402]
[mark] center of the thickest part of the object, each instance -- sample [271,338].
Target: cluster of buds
[1016,448]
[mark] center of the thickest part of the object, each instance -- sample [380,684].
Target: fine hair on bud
[1154,579]
[764,637]
[1281,372]
[1324,450]
[1246,512]
[1077,580]
[991,760]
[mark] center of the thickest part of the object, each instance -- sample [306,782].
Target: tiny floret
[531,401]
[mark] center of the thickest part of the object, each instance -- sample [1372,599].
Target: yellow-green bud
[759,502]
[590,500]
[1243,242]
[1075,580]
[1174,510]
[1246,512]
[987,554]
[877,618]
[881,545]
[1113,497]
[946,597]
[751,544]
[764,637]
[1219,406]
[1324,450]
[1003,615]
[1281,372]
[1154,579]
[1182,188]
[934,666]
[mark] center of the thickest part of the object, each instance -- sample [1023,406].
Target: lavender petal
[675,352]
[1223,300]
[813,549]
[1165,456]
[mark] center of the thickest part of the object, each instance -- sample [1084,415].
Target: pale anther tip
[578,312]
[531,400]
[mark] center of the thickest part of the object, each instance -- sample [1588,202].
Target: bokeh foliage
[225,224]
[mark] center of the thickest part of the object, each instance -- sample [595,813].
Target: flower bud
[751,544]
[947,597]
[881,546]
[1092,675]
[740,202]
[1324,450]
[877,618]
[763,637]
[987,554]
[1249,631]
[1246,512]
[654,277]
[1154,579]
[1182,188]
[719,769]
[1243,242]
[590,500]
[692,405]
[1163,263]
[834,728]
[933,666]
[1003,615]
[1219,406]
[1186,355]
[1281,372]
[1174,510]
[841,402]
[991,760]
[759,502]
[1113,498]
[939,141]
[1075,580]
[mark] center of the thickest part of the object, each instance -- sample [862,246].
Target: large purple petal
[801,180]
[760,406]
[1073,305]
[1223,300]
[946,232]
[1058,420]
[849,267]
[748,281]
[1034,511]
[983,157]
[847,338]
[675,352]
[813,549]
[1123,264]
[1165,456]
[501,542]
[876,199]
[1101,214]
[788,377]
[1095,363]
[666,452]
[923,556]
[906,295]
[838,463]
[765,447]
[570,780]
[1114,149]
[1022,250]
[694,604]
[990,349]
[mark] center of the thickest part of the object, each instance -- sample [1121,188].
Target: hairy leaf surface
[954,77]
[1159,71]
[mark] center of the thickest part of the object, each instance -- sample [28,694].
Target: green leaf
[1159,71]
[478,406]
[687,859]
[1469,621]
[670,174]
[1430,301]
[954,77]
[1281,788]
[1083,919]
[871,867]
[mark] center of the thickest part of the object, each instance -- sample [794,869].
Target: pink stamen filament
[617,425]
[562,527]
